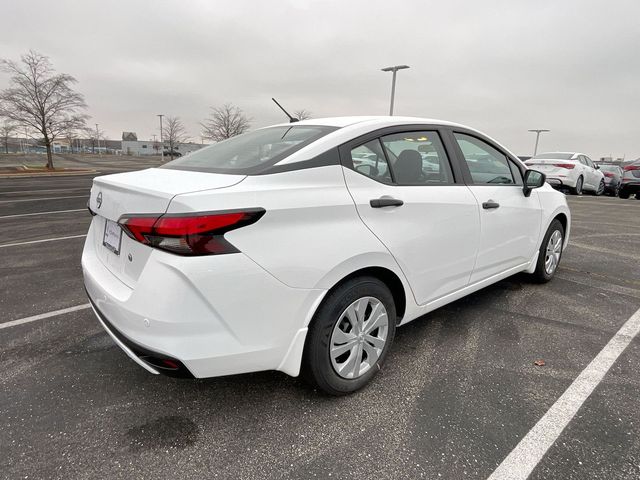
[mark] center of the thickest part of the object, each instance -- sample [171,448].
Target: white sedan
[571,170]
[301,247]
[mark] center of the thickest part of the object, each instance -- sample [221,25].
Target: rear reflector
[189,234]
[568,166]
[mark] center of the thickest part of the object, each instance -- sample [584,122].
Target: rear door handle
[385,202]
[490,204]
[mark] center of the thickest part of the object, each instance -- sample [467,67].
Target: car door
[406,193]
[589,172]
[596,174]
[509,221]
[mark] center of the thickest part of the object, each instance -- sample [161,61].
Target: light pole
[537,131]
[161,141]
[98,138]
[393,69]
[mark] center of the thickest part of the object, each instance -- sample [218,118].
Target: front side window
[417,158]
[486,164]
[251,152]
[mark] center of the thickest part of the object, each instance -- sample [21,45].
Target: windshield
[251,152]
[555,156]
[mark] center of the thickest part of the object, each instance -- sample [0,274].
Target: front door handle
[490,204]
[385,202]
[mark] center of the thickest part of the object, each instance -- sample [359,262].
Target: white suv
[571,170]
[303,246]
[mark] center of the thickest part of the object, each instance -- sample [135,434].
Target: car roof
[563,153]
[374,121]
[352,127]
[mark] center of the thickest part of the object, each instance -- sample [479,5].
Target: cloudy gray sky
[572,66]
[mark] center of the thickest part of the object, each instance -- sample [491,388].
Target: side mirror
[597,167]
[532,179]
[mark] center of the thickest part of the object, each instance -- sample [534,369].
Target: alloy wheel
[554,250]
[359,337]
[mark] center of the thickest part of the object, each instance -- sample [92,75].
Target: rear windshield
[555,156]
[610,168]
[251,152]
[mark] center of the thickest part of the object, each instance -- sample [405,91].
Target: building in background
[132,146]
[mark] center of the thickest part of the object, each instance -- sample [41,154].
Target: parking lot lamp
[393,69]
[98,138]
[161,141]
[538,131]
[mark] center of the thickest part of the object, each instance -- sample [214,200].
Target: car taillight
[628,168]
[189,234]
[608,174]
[568,166]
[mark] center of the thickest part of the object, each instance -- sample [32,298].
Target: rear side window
[369,159]
[417,158]
[251,152]
[486,164]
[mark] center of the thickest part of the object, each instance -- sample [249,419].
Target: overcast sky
[572,66]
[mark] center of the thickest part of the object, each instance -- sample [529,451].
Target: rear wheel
[350,336]
[550,253]
[600,189]
[577,190]
[624,195]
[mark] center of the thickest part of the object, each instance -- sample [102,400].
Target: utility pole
[537,131]
[393,69]
[161,141]
[98,138]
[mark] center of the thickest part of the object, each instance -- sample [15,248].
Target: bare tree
[41,99]
[173,133]
[302,114]
[6,129]
[94,135]
[225,122]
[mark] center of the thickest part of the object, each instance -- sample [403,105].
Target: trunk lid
[549,166]
[140,192]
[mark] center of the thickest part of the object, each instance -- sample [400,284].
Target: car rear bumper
[208,316]
[630,187]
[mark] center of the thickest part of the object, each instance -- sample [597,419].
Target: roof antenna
[291,119]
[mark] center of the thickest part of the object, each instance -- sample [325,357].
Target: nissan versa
[301,247]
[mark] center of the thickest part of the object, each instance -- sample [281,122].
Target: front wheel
[600,189]
[350,336]
[550,253]
[616,191]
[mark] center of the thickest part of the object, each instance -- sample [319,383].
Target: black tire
[616,191]
[600,189]
[624,195]
[637,196]
[540,274]
[317,367]
[577,190]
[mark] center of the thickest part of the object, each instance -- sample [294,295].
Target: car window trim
[465,168]
[346,161]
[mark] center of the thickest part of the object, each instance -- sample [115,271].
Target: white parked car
[302,246]
[571,170]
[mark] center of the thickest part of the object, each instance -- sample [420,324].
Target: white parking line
[525,457]
[43,213]
[41,241]
[40,199]
[42,316]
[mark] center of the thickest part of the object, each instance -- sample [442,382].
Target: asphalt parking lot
[457,394]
